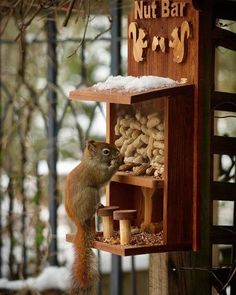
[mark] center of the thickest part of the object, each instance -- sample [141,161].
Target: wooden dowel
[147,224]
[107,222]
[125,232]
[124,217]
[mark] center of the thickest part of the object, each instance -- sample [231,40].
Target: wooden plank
[178,175]
[137,250]
[224,145]
[167,279]
[223,101]
[225,9]
[224,38]
[223,234]
[120,97]
[144,181]
[224,191]
[133,250]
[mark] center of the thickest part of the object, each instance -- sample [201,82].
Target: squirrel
[99,163]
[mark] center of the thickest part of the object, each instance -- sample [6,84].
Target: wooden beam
[224,145]
[223,191]
[223,101]
[223,234]
[224,38]
[167,277]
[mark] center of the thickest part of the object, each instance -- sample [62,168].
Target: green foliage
[37,198]
[39,237]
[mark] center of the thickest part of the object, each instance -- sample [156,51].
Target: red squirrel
[99,163]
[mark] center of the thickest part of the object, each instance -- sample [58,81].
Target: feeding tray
[114,247]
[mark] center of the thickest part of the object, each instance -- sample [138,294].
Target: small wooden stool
[124,217]
[107,220]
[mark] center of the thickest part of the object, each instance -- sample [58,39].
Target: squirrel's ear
[90,144]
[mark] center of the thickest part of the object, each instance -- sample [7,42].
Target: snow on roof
[134,84]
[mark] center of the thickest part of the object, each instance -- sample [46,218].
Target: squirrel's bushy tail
[84,272]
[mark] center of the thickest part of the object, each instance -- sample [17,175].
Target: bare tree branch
[85,31]
[68,14]
[78,127]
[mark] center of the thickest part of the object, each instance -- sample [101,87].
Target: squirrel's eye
[106,152]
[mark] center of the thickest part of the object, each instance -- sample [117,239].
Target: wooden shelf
[115,96]
[134,250]
[143,181]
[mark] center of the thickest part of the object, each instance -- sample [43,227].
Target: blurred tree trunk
[1,194]
[10,191]
[52,134]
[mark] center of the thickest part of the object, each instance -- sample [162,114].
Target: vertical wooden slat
[223,145]
[178,189]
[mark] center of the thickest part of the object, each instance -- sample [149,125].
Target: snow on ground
[137,84]
[53,277]
[50,278]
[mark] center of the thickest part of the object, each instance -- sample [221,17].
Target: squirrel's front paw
[117,161]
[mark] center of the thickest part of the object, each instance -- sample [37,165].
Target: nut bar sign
[175,44]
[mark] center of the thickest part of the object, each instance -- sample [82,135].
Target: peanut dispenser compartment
[154,130]
[139,135]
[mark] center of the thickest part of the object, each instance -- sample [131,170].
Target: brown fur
[81,201]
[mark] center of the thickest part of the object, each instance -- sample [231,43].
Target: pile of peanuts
[141,141]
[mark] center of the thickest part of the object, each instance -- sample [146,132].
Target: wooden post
[147,225]
[107,220]
[124,217]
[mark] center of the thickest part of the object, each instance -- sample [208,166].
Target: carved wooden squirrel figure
[99,163]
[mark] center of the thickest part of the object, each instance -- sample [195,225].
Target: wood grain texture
[178,185]
[162,64]
[127,250]
[124,97]
[143,181]
[107,210]
[166,279]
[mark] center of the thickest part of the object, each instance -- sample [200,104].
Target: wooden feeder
[166,200]
[164,195]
